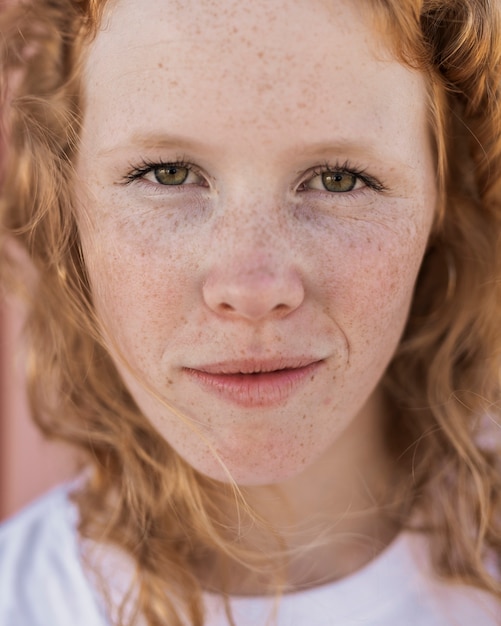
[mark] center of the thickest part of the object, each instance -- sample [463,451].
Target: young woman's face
[257,190]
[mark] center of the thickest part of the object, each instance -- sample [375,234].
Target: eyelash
[146,166]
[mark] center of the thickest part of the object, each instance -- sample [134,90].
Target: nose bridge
[253,272]
[254,228]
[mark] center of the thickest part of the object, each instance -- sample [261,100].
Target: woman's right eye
[172,174]
[166,174]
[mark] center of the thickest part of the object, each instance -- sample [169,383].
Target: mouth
[251,383]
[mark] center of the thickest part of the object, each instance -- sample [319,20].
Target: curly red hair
[443,381]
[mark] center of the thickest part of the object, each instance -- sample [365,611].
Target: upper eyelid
[145,166]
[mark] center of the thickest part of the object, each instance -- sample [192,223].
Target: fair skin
[263,296]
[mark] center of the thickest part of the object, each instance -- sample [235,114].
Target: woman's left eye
[336,181]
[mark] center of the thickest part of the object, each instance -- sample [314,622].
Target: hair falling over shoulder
[444,381]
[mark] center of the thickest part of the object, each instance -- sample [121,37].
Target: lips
[251,383]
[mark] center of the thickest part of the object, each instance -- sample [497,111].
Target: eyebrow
[152,141]
[349,148]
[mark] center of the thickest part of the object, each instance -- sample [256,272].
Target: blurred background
[28,464]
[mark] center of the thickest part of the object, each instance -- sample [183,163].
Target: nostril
[224,306]
[281,307]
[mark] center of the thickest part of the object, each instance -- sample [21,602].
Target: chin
[254,467]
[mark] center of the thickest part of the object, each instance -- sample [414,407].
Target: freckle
[161,65]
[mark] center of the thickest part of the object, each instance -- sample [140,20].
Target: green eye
[339,182]
[171,174]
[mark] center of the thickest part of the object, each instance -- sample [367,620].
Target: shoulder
[454,604]
[42,580]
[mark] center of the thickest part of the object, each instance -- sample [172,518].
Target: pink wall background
[29,465]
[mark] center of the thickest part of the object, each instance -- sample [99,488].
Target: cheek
[377,269]
[139,292]
[369,288]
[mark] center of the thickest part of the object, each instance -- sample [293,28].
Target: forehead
[251,66]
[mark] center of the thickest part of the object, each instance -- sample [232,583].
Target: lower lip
[256,390]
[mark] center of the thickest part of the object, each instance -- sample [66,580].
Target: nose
[253,290]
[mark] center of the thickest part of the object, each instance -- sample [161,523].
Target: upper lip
[255,366]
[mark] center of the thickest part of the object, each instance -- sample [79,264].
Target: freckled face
[257,189]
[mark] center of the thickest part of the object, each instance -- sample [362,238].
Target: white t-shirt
[43,583]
